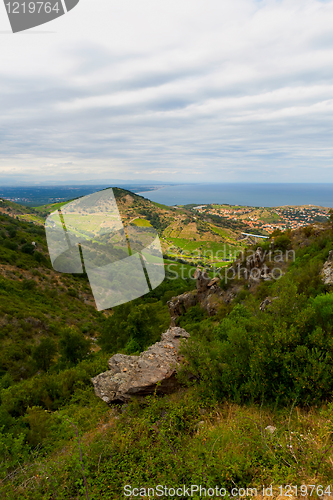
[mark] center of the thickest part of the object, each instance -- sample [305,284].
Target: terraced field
[184,234]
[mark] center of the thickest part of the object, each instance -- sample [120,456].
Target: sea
[254,195]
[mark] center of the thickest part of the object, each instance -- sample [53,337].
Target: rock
[212,282]
[211,302]
[266,302]
[207,296]
[255,260]
[154,370]
[327,271]
[200,424]
[270,428]
[178,305]
[202,281]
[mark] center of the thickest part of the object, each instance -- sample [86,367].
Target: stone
[178,305]
[202,280]
[255,260]
[213,282]
[154,370]
[200,424]
[327,271]
[266,302]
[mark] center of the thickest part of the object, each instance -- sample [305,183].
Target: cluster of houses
[290,217]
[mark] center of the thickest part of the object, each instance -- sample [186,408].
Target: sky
[172,91]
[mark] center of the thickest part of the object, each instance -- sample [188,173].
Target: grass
[52,207]
[160,205]
[141,223]
[175,440]
[203,250]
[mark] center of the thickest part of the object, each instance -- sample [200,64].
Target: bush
[11,245]
[44,353]
[73,345]
[29,284]
[278,356]
[28,248]
[282,242]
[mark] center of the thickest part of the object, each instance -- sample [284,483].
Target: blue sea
[256,195]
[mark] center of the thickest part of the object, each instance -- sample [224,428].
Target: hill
[255,406]
[256,403]
[183,233]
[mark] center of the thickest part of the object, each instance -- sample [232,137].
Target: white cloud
[226,90]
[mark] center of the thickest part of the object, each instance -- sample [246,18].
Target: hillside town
[268,219]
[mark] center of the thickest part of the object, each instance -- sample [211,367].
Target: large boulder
[154,370]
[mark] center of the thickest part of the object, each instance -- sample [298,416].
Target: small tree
[73,345]
[44,353]
[28,248]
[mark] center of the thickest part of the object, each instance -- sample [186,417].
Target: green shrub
[28,248]
[43,353]
[12,245]
[282,242]
[73,345]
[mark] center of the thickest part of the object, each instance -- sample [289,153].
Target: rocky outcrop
[256,260]
[179,305]
[154,370]
[254,269]
[327,271]
[202,282]
[207,294]
[266,302]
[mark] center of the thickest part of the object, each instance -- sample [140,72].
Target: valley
[255,375]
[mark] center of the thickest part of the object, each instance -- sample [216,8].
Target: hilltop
[184,234]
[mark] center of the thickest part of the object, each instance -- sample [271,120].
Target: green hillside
[256,403]
[183,233]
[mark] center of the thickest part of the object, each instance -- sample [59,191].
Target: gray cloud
[251,101]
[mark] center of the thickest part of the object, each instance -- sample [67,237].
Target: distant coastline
[241,194]
[255,195]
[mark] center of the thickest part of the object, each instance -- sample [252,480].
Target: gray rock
[270,428]
[154,370]
[266,302]
[202,281]
[327,271]
[178,305]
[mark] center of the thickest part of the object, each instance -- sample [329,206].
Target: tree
[28,248]
[73,345]
[44,353]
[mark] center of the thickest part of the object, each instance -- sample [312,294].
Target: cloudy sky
[177,90]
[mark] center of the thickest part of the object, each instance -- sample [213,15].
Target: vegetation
[256,403]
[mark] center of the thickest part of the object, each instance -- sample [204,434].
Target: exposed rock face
[207,295]
[178,305]
[202,282]
[255,260]
[327,271]
[130,376]
[266,302]
[256,267]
